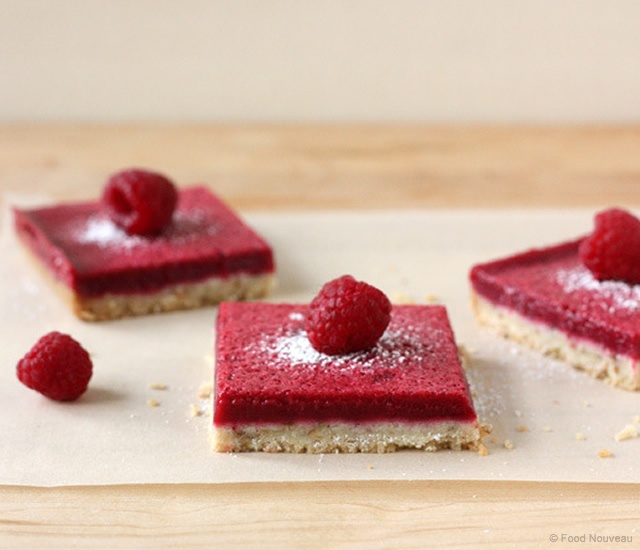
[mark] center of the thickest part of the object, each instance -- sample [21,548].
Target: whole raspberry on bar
[57,366]
[347,316]
[140,201]
[612,251]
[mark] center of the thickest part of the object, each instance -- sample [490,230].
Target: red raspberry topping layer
[139,201]
[612,251]
[347,316]
[87,252]
[552,286]
[268,372]
[56,366]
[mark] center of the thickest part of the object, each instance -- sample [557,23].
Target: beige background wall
[322,60]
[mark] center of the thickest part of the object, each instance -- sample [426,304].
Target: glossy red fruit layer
[552,286]
[84,250]
[268,372]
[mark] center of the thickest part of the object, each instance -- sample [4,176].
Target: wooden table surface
[321,167]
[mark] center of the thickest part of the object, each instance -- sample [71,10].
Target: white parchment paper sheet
[112,436]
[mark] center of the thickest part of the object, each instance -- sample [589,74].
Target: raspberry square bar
[206,254]
[549,300]
[274,392]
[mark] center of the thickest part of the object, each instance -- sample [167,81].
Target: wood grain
[256,167]
[411,514]
[300,167]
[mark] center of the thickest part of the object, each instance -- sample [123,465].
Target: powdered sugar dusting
[618,295]
[394,348]
[103,232]
[297,349]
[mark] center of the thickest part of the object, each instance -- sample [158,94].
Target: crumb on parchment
[522,428]
[205,389]
[580,436]
[628,432]
[153,402]
[194,410]
[401,298]
[465,357]
[508,444]
[158,386]
[482,450]
[605,453]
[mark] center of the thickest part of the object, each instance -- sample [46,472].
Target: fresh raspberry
[347,316]
[612,251]
[56,366]
[139,201]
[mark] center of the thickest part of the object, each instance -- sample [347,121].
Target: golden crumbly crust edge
[173,298]
[381,437]
[618,370]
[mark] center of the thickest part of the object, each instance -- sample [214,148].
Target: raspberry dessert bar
[274,392]
[571,301]
[202,253]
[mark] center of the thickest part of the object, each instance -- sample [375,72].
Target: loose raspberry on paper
[612,251]
[56,366]
[139,201]
[347,316]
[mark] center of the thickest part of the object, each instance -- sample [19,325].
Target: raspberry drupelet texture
[57,366]
[140,201]
[612,251]
[347,316]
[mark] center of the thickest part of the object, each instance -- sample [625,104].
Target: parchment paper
[113,436]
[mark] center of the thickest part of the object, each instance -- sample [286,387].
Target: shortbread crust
[383,437]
